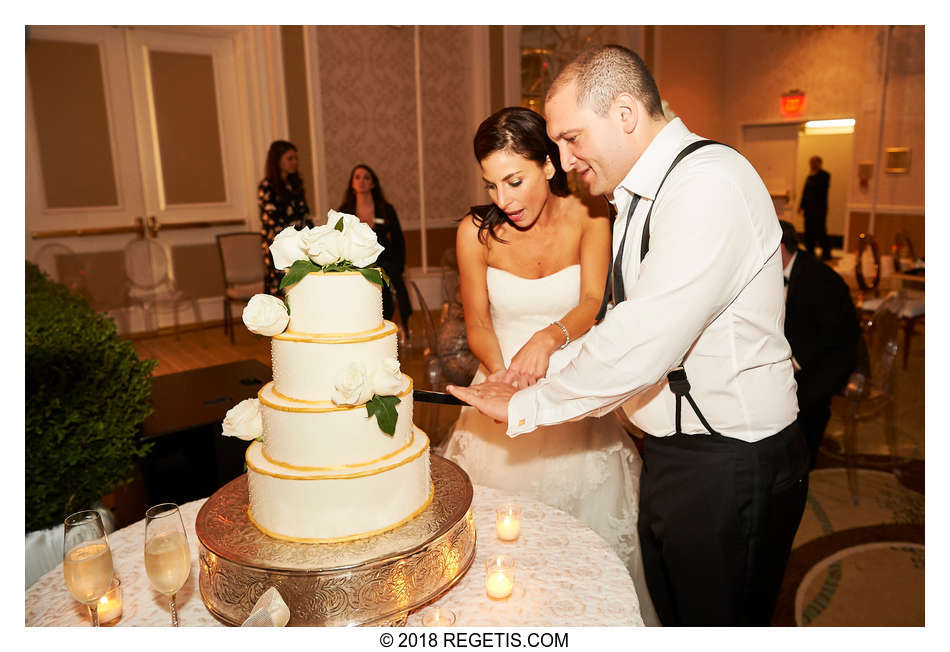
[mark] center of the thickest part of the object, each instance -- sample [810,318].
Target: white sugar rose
[335,216]
[352,387]
[360,245]
[265,315]
[324,245]
[244,420]
[287,247]
[387,381]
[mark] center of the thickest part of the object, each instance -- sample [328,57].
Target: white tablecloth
[565,575]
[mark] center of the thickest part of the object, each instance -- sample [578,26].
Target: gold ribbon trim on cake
[350,273]
[317,336]
[341,476]
[341,467]
[352,537]
[318,406]
[386,329]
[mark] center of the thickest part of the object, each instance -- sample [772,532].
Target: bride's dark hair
[521,131]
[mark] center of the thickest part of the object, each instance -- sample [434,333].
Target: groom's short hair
[603,73]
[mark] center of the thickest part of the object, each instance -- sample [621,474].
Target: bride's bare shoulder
[467,224]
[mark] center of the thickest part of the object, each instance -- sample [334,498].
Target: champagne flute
[87,559]
[167,558]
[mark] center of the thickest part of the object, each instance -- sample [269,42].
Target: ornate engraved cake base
[372,581]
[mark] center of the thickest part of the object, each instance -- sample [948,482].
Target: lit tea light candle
[499,576]
[438,617]
[110,604]
[508,522]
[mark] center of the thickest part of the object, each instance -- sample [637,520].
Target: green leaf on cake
[384,409]
[342,266]
[297,272]
[372,275]
[339,225]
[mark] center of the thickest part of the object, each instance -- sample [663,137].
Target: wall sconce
[793,103]
[865,169]
[898,160]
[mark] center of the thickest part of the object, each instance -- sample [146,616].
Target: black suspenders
[678,382]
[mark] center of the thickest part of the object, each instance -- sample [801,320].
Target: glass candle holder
[438,617]
[508,522]
[110,604]
[499,576]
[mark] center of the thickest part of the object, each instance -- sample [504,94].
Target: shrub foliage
[87,395]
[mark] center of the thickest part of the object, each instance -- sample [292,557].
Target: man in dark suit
[814,204]
[821,326]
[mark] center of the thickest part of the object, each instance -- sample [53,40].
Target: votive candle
[499,576]
[438,617]
[508,522]
[110,604]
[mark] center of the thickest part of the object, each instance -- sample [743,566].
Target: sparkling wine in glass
[167,557]
[87,559]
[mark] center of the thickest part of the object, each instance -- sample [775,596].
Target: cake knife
[424,396]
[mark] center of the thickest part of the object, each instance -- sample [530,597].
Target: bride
[533,266]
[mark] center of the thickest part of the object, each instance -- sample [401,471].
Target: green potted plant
[87,395]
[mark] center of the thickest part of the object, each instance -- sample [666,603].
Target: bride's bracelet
[567,336]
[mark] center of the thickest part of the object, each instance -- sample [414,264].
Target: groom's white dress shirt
[709,291]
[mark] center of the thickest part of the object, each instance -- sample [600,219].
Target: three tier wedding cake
[335,455]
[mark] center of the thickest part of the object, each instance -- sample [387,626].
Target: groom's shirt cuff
[523,411]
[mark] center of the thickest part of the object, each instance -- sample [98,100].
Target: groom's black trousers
[717,519]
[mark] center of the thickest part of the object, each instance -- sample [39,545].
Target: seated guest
[821,326]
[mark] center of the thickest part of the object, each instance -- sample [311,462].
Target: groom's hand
[489,398]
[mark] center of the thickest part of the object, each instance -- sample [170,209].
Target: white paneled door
[124,201]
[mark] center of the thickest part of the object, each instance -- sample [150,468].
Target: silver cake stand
[372,581]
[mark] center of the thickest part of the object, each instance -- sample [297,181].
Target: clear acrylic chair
[870,391]
[151,282]
[46,259]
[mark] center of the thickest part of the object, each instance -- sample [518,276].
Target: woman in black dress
[282,203]
[364,199]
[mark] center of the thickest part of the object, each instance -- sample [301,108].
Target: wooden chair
[242,269]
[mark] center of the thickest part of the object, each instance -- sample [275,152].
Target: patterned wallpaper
[719,78]
[448,124]
[839,67]
[368,100]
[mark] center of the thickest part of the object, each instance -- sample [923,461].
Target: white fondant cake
[326,471]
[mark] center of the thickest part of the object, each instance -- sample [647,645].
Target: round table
[565,575]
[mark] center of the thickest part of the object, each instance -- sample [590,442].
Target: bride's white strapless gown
[588,468]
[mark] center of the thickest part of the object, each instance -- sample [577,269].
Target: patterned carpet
[862,564]
[857,565]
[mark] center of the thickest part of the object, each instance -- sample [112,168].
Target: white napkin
[270,610]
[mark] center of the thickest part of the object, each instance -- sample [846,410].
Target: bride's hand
[531,362]
[496,377]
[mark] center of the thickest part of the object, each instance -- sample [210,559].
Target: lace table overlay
[565,575]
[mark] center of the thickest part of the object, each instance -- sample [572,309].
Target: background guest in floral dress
[282,203]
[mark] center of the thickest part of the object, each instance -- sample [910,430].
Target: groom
[698,314]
